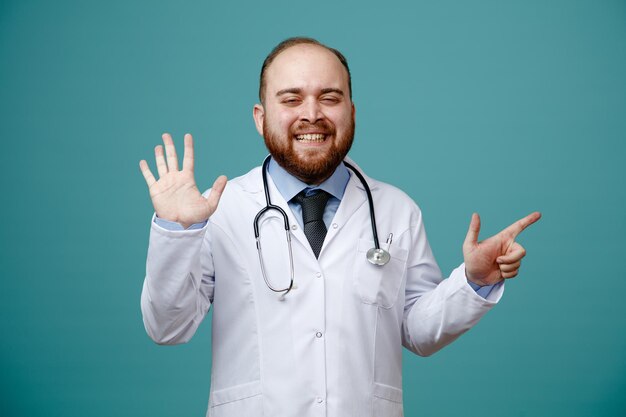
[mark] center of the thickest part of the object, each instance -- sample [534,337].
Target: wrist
[482,281]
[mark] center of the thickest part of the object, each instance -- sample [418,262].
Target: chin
[311,164]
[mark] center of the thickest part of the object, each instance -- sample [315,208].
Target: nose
[311,111]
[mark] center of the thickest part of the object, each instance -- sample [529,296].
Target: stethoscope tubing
[270,206]
[370,201]
[374,252]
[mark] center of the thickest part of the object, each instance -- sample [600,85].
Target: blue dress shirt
[289,186]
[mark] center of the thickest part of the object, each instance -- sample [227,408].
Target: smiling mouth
[311,138]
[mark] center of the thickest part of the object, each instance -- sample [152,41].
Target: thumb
[216,192]
[472,233]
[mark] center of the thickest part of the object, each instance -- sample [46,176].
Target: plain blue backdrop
[499,107]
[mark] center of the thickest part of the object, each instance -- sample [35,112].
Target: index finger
[517,227]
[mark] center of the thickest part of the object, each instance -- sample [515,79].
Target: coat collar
[354,197]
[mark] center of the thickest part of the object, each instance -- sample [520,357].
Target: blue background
[499,107]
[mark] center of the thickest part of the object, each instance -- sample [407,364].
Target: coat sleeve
[436,311]
[178,287]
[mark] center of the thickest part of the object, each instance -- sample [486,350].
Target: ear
[353,111]
[258,113]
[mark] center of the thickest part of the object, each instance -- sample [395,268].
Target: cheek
[282,121]
[286,120]
[341,119]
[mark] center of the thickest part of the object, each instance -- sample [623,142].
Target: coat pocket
[241,401]
[387,401]
[376,284]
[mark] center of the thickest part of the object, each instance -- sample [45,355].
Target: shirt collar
[289,186]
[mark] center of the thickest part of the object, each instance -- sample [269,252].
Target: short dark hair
[288,43]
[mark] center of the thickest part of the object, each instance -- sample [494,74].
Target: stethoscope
[376,255]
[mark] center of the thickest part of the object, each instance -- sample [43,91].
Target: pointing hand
[175,196]
[498,257]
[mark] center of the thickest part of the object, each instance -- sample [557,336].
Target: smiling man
[310,312]
[307,114]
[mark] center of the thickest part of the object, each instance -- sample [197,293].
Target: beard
[311,166]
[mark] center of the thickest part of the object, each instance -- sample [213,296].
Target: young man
[329,343]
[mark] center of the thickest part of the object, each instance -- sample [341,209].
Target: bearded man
[310,312]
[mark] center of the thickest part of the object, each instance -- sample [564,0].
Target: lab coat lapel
[254,185]
[354,197]
[279,200]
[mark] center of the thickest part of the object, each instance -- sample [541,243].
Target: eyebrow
[298,91]
[289,91]
[332,90]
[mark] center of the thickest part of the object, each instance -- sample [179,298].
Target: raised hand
[498,257]
[175,196]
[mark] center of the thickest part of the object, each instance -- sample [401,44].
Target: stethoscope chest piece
[378,257]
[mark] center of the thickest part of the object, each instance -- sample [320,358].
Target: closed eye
[291,100]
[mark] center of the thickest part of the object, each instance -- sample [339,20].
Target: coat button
[319,275]
[335,225]
[318,334]
[319,400]
[294,226]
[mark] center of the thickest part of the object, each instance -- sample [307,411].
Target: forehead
[308,67]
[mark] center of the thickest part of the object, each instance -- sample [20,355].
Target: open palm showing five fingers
[174,195]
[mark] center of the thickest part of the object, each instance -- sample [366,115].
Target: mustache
[321,126]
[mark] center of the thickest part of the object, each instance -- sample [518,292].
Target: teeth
[310,137]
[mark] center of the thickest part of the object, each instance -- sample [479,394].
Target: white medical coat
[333,346]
